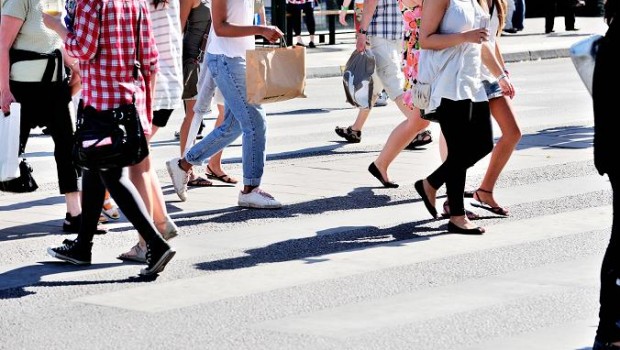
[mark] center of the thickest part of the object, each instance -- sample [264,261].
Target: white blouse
[460,78]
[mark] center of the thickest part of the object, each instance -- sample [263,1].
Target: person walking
[551,7]
[32,73]
[452,34]
[165,17]
[107,85]
[295,8]
[233,34]
[606,145]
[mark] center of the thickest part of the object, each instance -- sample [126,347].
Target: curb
[330,72]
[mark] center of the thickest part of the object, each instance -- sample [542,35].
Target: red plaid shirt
[103,39]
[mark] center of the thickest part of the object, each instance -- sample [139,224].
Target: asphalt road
[346,264]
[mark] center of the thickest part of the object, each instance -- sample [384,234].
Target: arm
[83,42]
[343,12]
[9,27]
[431,39]
[185,8]
[497,69]
[370,6]
[223,28]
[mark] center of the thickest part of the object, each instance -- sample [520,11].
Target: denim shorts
[493,89]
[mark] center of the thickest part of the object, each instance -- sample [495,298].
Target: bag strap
[138,46]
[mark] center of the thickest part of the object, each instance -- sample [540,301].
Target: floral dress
[411,47]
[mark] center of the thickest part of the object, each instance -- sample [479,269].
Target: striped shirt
[387,22]
[169,40]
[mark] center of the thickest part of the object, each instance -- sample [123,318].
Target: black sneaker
[311,45]
[352,136]
[158,254]
[73,252]
[72,225]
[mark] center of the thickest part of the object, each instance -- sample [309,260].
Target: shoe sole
[176,190]
[159,265]
[51,252]
[255,206]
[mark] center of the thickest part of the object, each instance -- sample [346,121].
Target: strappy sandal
[483,205]
[223,178]
[446,212]
[136,253]
[421,139]
[110,209]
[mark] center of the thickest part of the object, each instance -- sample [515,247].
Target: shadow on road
[15,282]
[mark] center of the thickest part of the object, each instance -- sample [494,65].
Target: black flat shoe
[452,228]
[419,187]
[372,168]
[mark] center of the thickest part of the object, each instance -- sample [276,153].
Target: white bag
[9,144]
[583,55]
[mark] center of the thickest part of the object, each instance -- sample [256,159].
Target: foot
[258,199]
[427,193]
[158,255]
[179,177]
[168,229]
[136,253]
[374,170]
[470,230]
[110,209]
[382,100]
[486,201]
[311,45]
[73,252]
[196,180]
[421,139]
[352,136]
[549,31]
[572,29]
[218,174]
[446,212]
[72,225]
[510,30]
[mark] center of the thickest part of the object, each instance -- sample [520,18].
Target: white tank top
[239,12]
[460,78]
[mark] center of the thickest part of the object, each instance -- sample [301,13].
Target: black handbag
[22,184]
[112,138]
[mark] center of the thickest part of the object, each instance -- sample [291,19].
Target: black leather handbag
[112,138]
[22,184]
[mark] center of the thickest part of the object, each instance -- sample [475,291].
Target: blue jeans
[240,118]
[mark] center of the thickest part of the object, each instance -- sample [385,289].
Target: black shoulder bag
[112,138]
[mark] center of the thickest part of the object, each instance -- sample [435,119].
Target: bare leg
[502,111]
[362,116]
[215,162]
[187,121]
[400,137]
[74,207]
[443,147]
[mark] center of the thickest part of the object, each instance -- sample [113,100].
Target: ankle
[248,189]
[184,165]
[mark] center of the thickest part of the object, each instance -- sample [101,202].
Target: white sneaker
[382,100]
[258,199]
[179,178]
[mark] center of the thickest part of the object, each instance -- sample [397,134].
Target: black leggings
[609,314]
[467,128]
[125,194]
[295,11]
[47,104]
[567,10]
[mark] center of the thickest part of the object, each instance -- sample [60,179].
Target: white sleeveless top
[460,78]
[486,73]
[239,12]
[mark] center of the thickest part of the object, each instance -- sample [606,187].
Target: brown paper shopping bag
[275,74]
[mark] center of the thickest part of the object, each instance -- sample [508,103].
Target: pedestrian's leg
[569,16]
[309,19]
[609,314]
[549,15]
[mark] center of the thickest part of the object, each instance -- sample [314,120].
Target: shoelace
[264,194]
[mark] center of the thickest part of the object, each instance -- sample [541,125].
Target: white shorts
[388,74]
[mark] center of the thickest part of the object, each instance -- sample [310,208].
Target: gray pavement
[345,264]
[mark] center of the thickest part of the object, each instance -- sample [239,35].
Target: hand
[477,36]
[6,97]
[360,44]
[52,22]
[507,87]
[342,17]
[271,33]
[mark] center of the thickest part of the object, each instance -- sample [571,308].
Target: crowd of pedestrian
[161,55]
